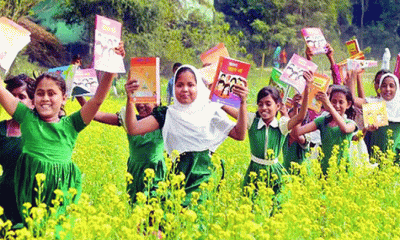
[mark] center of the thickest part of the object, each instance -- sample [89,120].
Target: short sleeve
[283,125]
[221,122]
[159,114]
[20,112]
[319,121]
[77,121]
[250,119]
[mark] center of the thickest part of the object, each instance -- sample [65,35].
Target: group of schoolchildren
[40,137]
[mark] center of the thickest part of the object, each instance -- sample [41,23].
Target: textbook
[13,38]
[229,73]
[107,37]
[343,64]
[85,82]
[292,74]
[68,73]
[353,47]
[375,113]
[320,84]
[274,81]
[397,67]
[355,64]
[211,58]
[315,40]
[147,71]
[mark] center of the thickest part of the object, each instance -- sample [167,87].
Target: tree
[14,9]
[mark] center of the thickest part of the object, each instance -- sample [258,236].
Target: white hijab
[392,106]
[198,126]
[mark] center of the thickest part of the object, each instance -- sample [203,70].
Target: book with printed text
[274,81]
[85,82]
[107,37]
[315,40]
[320,84]
[375,114]
[353,47]
[292,74]
[68,74]
[229,73]
[343,64]
[210,59]
[13,38]
[355,64]
[147,71]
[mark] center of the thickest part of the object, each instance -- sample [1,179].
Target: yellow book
[375,114]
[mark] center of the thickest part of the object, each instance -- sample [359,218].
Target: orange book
[320,84]
[210,58]
[375,113]
[147,71]
[353,47]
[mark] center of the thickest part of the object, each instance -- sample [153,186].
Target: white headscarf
[198,126]
[392,106]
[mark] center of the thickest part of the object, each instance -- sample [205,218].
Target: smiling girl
[193,125]
[335,127]
[49,139]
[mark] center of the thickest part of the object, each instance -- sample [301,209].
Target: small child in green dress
[22,87]
[145,151]
[48,139]
[336,126]
[192,125]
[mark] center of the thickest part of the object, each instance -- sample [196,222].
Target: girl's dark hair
[19,81]
[56,78]
[351,113]
[266,91]
[182,70]
[379,74]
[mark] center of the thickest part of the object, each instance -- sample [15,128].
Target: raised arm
[344,127]
[90,109]
[239,131]
[351,83]
[7,100]
[298,118]
[133,126]
[107,118]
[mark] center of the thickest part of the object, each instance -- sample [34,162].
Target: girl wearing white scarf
[193,125]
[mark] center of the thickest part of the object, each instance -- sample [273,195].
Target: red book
[397,67]
[229,72]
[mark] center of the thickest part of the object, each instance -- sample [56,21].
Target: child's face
[186,88]
[340,103]
[388,88]
[48,100]
[267,108]
[144,109]
[22,96]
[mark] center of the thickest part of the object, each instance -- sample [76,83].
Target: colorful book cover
[397,67]
[229,73]
[13,38]
[147,71]
[353,47]
[343,64]
[293,72]
[315,40]
[107,37]
[375,113]
[211,58]
[68,73]
[320,84]
[355,64]
[274,81]
[85,83]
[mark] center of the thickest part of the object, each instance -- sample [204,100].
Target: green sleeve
[319,121]
[21,112]
[77,121]
[159,114]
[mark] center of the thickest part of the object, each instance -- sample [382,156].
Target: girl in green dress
[145,151]
[192,125]
[21,87]
[48,140]
[336,126]
[267,135]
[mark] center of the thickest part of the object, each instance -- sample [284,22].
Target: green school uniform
[10,150]
[261,139]
[331,136]
[145,152]
[47,148]
[380,138]
[196,166]
[294,153]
